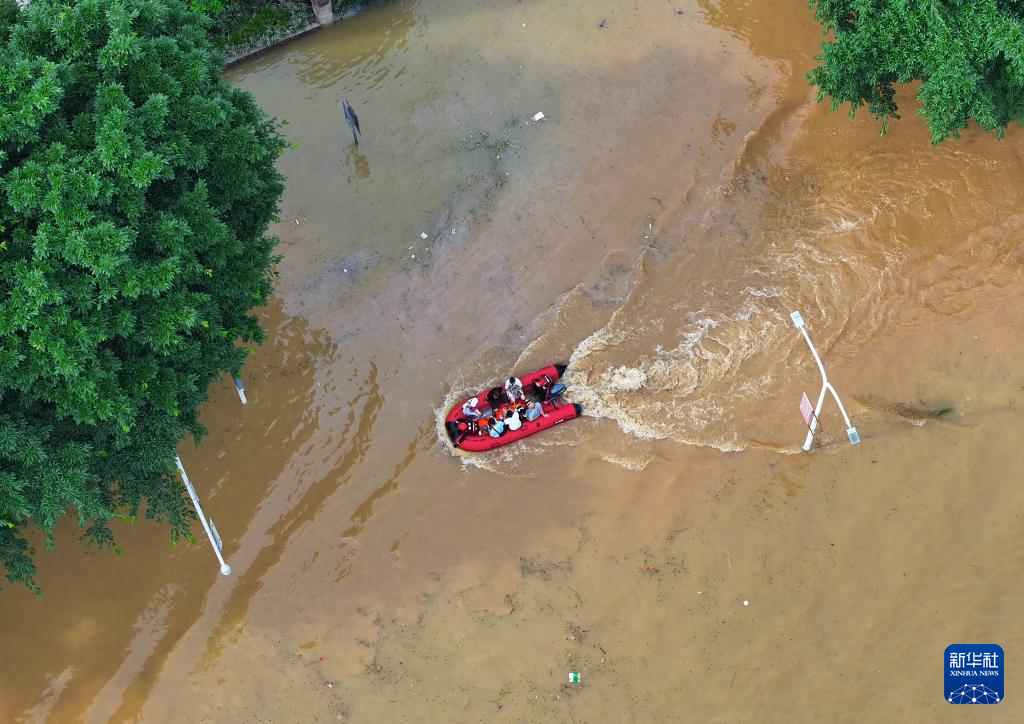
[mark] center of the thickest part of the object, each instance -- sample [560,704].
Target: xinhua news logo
[974,674]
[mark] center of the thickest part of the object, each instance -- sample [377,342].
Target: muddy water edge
[682,194]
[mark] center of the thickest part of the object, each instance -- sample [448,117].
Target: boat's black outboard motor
[555,394]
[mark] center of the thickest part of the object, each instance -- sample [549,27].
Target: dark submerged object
[352,119]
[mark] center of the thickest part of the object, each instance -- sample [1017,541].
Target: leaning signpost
[208,526]
[811,416]
[211,529]
[239,388]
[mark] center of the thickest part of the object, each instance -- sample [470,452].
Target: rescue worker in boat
[547,389]
[466,428]
[534,410]
[514,389]
[542,387]
[469,409]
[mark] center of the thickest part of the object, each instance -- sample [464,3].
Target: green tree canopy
[968,54]
[136,187]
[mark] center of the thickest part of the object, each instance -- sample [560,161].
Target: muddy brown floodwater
[681,196]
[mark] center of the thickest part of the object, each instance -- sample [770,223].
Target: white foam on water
[626,462]
[626,379]
[681,389]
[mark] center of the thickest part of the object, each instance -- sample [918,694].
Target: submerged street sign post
[805,408]
[826,386]
[239,388]
[208,526]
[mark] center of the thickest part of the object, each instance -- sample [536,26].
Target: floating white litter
[423,235]
[746,603]
[539,116]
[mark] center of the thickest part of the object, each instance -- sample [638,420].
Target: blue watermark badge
[974,674]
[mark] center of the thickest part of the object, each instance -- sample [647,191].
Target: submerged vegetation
[237,25]
[136,187]
[968,56]
[240,25]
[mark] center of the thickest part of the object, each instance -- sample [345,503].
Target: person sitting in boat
[514,389]
[494,427]
[469,409]
[496,398]
[517,406]
[547,389]
[542,387]
[512,419]
[534,410]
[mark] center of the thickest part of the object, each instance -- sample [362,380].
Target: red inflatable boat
[465,435]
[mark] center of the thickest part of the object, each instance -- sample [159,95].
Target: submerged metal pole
[239,388]
[826,386]
[211,529]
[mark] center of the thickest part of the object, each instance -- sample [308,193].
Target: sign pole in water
[826,386]
[239,388]
[211,529]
